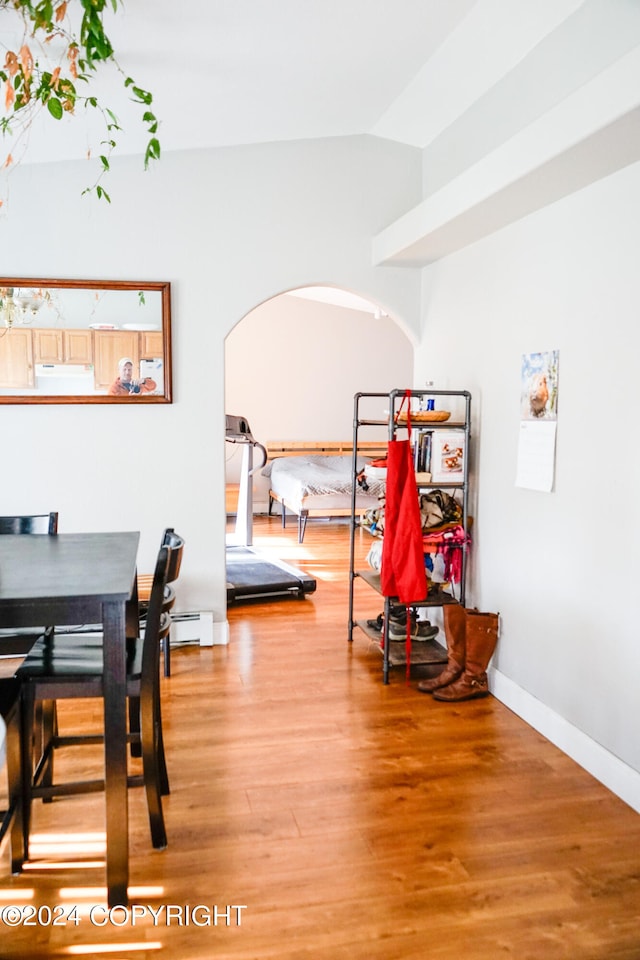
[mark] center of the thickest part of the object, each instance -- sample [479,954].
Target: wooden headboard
[328,448]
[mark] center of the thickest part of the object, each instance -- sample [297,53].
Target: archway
[294,363]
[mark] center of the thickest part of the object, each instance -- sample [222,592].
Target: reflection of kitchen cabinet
[47,346]
[151,344]
[109,346]
[77,346]
[16,359]
[62,346]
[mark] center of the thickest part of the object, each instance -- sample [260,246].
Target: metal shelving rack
[430,651]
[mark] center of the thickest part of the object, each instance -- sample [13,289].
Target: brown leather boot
[454,632]
[481,638]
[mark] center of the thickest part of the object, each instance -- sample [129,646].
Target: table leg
[16,790]
[115,753]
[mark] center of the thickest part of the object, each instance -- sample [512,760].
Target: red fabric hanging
[402,573]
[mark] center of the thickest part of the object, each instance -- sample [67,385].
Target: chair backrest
[145,582]
[171,539]
[35,523]
[157,621]
[156,618]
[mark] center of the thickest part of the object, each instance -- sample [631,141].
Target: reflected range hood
[63,370]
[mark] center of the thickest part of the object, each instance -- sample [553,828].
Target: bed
[315,479]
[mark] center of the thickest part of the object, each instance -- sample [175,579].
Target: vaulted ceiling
[226,72]
[528,98]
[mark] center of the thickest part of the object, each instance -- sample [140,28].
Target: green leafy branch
[30,87]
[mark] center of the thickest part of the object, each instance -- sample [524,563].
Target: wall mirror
[85,341]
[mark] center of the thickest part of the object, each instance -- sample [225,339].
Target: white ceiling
[227,72]
[458,79]
[337,298]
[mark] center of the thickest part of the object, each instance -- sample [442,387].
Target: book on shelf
[422,452]
[448,453]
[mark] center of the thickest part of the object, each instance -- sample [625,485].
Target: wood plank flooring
[352,820]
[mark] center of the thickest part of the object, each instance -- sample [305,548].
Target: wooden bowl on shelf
[424,416]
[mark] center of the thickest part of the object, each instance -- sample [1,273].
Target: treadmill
[249,575]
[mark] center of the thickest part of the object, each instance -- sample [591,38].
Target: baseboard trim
[617,776]
[220,633]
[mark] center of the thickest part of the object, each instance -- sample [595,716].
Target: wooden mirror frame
[98,344]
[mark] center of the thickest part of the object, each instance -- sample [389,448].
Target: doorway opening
[292,367]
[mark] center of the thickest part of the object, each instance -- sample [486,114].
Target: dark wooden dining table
[80,578]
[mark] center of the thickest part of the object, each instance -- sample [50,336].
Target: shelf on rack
[422,424]
[439,484]
[372,634]
[422,651]
[437,599]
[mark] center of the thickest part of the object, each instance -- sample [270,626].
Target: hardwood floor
[353,820]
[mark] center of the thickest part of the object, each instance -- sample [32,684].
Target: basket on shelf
[424,416]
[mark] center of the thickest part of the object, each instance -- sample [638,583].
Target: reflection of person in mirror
[124,385]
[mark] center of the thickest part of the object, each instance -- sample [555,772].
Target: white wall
[561,568]
[229,228]
[293,366]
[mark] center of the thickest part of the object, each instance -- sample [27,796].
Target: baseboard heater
[193,627]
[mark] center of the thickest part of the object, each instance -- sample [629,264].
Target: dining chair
[70,666]
[16,641]
[144,583]
[30,523]
[169,539]
[10,754]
